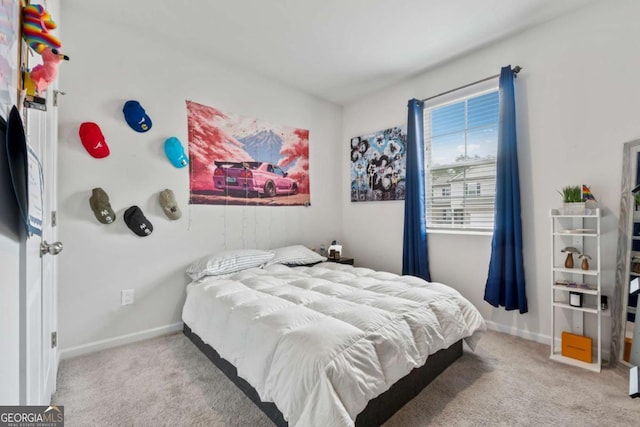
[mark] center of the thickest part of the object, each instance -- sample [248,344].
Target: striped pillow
[227,262]
[295,255]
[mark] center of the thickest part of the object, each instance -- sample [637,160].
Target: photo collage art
[378,165]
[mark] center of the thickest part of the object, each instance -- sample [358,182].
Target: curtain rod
[515,70]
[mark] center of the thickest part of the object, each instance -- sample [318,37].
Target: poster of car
[378,165]
[236,160]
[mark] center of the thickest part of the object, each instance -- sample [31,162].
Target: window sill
[455,231]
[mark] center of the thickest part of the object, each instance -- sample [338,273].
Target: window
[461,142]
[473,188]
[458,216]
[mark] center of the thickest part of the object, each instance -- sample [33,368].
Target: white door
[49,260]
[40,267]
[30,318]
[38,263]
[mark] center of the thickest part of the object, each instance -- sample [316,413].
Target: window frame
[469,185]
[478,89]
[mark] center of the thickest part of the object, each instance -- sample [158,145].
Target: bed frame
[377,411]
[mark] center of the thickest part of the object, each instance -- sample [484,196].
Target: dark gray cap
[137,222]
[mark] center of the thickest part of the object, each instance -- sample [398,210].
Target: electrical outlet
[126,296]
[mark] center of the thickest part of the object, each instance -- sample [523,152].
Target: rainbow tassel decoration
[586,194]
[36,23]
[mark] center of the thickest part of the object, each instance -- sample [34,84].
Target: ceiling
[338,50]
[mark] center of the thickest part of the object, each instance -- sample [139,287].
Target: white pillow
[228,262]
[295,255]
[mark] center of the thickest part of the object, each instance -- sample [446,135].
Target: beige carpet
[508,381]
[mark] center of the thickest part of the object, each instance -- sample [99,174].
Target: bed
[328,344]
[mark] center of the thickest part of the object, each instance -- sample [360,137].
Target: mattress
[322,341]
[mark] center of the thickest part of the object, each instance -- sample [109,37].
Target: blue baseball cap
[136,117]
[175,153]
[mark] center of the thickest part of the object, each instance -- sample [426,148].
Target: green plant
[571,194]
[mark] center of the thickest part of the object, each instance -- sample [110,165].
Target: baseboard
[540,338]
[511,330]
[177,327]
[118,341]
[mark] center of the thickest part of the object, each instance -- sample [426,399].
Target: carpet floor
[508,381]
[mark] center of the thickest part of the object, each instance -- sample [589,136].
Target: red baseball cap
[93,140]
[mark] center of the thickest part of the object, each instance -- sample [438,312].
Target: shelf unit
[583,233]
[631,352]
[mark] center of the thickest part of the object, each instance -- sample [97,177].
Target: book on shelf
[570,284]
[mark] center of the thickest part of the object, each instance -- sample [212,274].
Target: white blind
[461,140]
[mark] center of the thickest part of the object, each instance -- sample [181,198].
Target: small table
[342,260]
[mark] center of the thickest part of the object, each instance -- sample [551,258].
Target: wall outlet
[126,296]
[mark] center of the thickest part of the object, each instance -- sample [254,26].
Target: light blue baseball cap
[175,153]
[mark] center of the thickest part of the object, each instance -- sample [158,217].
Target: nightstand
[342,260]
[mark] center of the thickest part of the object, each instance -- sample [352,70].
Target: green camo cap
[99,202]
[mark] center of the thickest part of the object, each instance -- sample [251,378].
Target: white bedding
[322,341]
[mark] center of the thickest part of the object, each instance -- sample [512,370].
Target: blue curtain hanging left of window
[415,259]
[506,282]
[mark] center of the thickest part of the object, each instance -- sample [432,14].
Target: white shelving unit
[583,233]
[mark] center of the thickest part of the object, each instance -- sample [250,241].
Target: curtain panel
[505,284]
[415,259]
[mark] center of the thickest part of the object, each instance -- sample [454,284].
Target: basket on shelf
[577,208]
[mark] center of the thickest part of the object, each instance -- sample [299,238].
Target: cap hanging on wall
[175,152]
[136,117]
[137,222]
[93,140]
[99,202]
[169,204]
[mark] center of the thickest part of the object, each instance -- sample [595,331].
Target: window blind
[461,140]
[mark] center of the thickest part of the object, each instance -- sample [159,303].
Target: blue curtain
[414,248]
[505,283]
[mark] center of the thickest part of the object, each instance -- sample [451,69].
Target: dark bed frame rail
[378,410]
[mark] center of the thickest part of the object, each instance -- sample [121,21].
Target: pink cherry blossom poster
[236,160]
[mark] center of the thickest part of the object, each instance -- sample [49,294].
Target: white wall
[110,64]
[577,106]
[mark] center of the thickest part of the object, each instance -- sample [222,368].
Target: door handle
[50,248]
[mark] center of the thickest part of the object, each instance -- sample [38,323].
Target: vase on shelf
[585,262]
[568,263]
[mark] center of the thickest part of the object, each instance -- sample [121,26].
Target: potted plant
[572,199]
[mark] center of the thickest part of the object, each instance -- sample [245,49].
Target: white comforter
[322,341]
